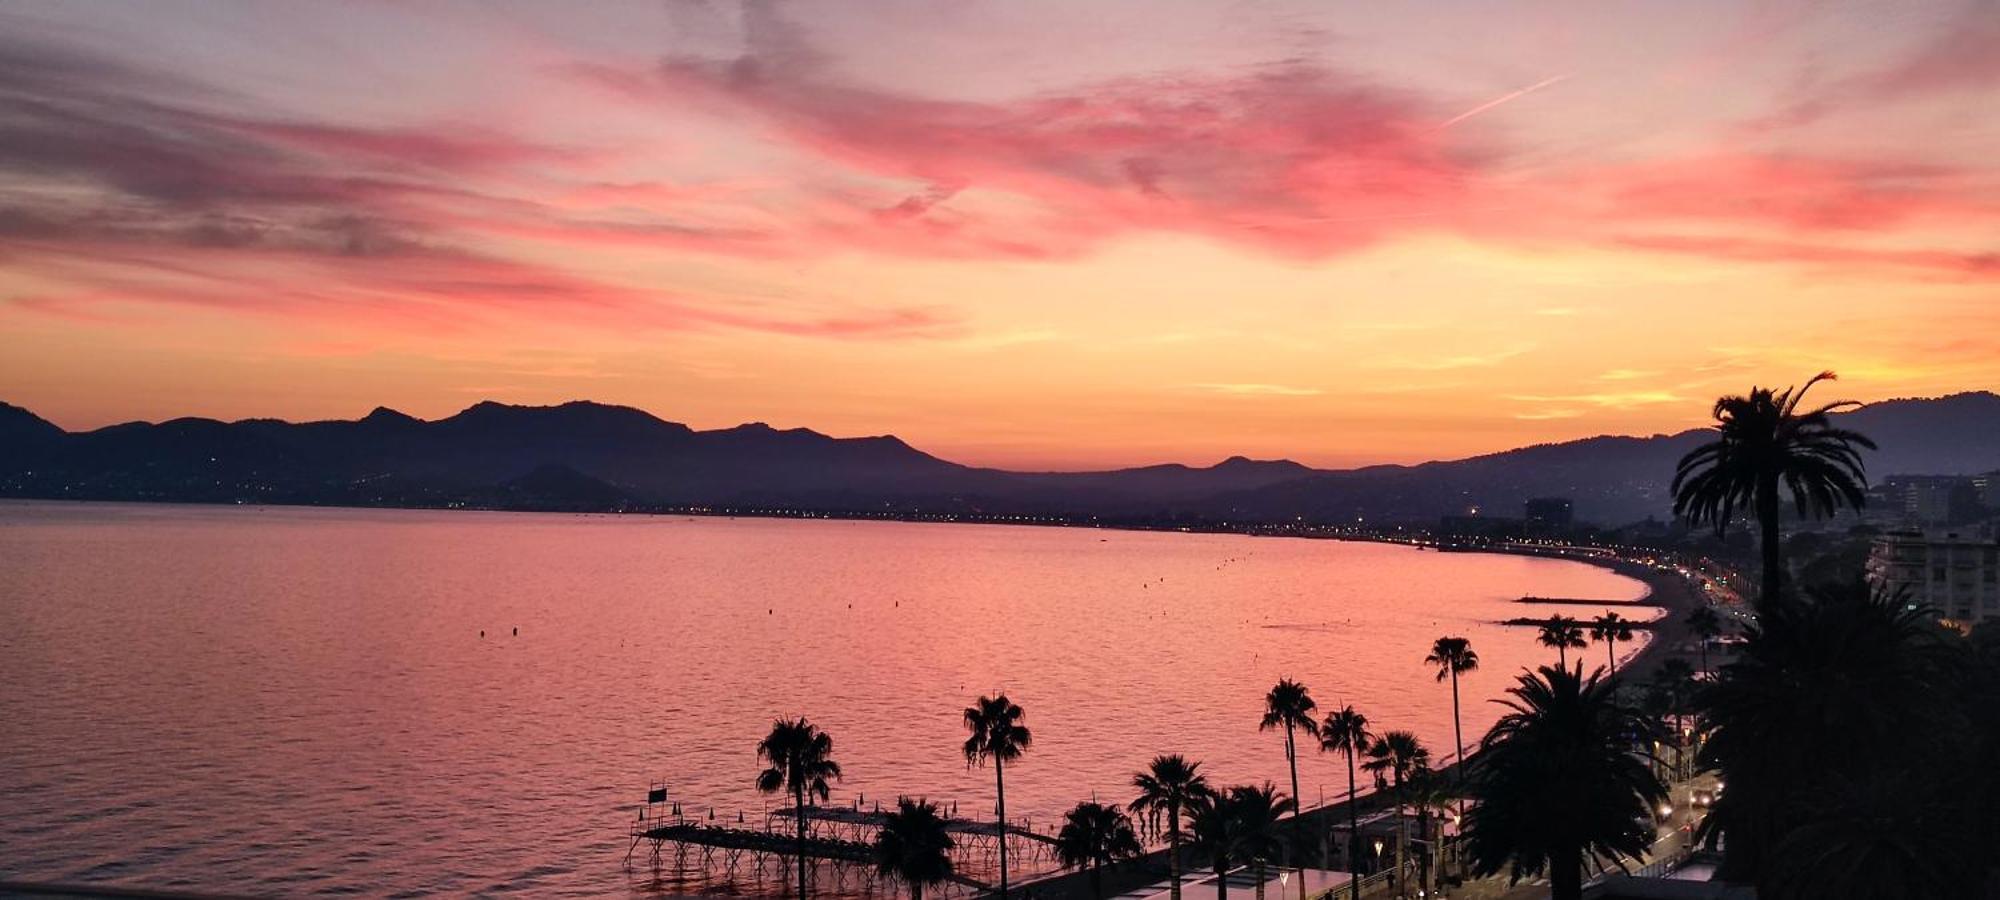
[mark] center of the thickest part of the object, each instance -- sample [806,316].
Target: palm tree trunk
[1562,657]
[1097,881]
[1174,852]
[1458,737]
[1402,840]
[1221,877]
[1353,830]
[1298,805]
[799,807]
[1610,656]
[1424,873]
[1767,522]
[1000,795]
[1259,869]
[1565,875]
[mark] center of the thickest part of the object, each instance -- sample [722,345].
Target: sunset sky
[1031,234]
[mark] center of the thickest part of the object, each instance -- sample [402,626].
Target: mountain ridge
[584,454]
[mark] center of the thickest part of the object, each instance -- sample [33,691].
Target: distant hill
[585,456]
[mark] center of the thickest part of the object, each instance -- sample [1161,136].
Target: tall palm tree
[1170,790]
[1610,628]
[1706,625]
[1562,633]
[1346,731]
[800,760]
[998,735]
[1452,656]
[1393,759]
[1095,835]
[1765,443]
[1289,705]
[913,847]
[1558,783]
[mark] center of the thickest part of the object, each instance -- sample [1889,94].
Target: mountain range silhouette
[592,456]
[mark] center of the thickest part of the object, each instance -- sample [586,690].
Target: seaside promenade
[1671,590]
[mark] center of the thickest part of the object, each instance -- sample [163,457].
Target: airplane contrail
[1503,98]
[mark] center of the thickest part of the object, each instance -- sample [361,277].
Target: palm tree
[1393,759]
[1558,783]
[1610,628]
[1452,656]
[1346,731]
[1428,794]
[1218,832]
[1562,633]
[800,758]
[1257,811]
[998,735]
[1170,789]
[1764,442]
[1288,704]
[1675,680]
[913,846]
[1844,690]
[1095,835]
[1706,624]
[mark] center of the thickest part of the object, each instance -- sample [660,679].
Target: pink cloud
[1937,263]
[1294,158]
[1792,191]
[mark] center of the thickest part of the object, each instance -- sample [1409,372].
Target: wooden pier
[840,844]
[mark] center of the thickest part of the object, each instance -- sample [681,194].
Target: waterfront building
[1955,572]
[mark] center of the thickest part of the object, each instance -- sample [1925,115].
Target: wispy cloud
[1605,399]
[1461,361]
[1259,390]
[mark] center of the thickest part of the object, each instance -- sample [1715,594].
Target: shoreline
[1667,590]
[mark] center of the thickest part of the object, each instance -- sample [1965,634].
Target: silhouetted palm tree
[1429,795]
[1289,705]
[1610,628]
[1846,689]
[913,846]
[1763,444]
[998,735]
[1218,833]
[1675,680]
[1346,731]
[1095,835]
[1452,656]
[1558,783]
[1706,624]
[1888,837]
[1393,759]
[1562,633]
[800,759]
[1257,811]
[1170,790]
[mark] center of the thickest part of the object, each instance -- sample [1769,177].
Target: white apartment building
[1955,573]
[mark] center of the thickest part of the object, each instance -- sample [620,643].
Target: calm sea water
[286,701]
